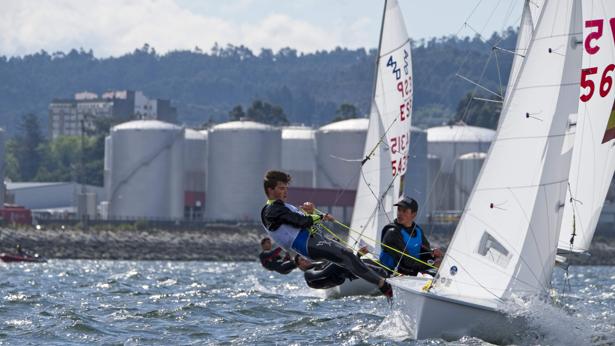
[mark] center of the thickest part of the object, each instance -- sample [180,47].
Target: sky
[117,27]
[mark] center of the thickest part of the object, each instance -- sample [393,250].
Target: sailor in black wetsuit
[404,235]
[323,275]
[273,260]
[289,227]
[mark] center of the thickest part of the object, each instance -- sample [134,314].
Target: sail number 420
[592,47]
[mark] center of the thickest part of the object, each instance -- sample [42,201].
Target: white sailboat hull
[357,287]
[433,316]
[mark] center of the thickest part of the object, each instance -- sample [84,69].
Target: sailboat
[386,146]
[593,158]
[505,244]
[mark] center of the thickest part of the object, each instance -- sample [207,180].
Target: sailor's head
[276,185]
[407,209]
[266,243]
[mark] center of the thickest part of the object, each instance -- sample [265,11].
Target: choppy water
[171,303]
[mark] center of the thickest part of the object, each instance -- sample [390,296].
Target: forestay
[388,135]
[593,158]
[505,242]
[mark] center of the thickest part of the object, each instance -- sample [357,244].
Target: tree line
[231,83]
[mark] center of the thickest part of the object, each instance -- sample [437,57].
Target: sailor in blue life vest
[273,260]
[290,228]
[406,236]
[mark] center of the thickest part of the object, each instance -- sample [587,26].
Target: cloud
[116,27]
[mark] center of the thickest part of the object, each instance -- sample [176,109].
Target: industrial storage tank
[467,168]
[434,192]
[451,141]
[146,176]
[415,181]
[448,143]
[299,155]
[239,154]
[2,166]
[195,173]
[339,150]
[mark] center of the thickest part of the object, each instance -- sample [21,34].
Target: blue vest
[412,244]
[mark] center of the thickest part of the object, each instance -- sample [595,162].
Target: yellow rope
[348,246]
[383,245]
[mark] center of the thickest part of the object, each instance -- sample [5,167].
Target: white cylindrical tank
[146,161]
[2,167]
[337,143]
[299,155]
[415,181]
[451,141]
[433,190]
[467,169]
[239,155]
[107,167]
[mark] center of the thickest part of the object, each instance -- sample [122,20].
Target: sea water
[171,303]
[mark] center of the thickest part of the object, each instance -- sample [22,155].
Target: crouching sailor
[404,235]
[273,260]
[288,226]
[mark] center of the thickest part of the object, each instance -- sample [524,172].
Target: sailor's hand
[437,253]
[308,207]
[328,217]
[363,251]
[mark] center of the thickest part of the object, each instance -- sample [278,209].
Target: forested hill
[205,86]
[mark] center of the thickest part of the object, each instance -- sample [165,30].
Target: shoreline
[211,243]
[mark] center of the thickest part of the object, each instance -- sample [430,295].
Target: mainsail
[593,158]
[388,135]
[506,241]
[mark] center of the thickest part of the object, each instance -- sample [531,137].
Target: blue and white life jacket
[412,246]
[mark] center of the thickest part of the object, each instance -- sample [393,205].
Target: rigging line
[529,137]
[491,15]
[379,205]
[406,246]
[384,245]
[497,67]
[513,52]
[478,85]
[341,241]
[372,215]
[532,232]
[371,153]
[487,100]
[521,186]
[574,226]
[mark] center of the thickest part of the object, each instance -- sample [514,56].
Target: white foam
[395,326]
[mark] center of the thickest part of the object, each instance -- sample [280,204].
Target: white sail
[593,159]
[388,135]
[531,11]
[505,242]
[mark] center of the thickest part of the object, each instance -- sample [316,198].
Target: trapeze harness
[412,245]
[293,236]
[288,236]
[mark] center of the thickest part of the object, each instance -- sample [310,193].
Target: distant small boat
[21,258]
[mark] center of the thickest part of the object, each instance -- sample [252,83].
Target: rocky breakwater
[213,243]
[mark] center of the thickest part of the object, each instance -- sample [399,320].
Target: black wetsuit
[318,247]
[326,275]
[392,237]
[273,260]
